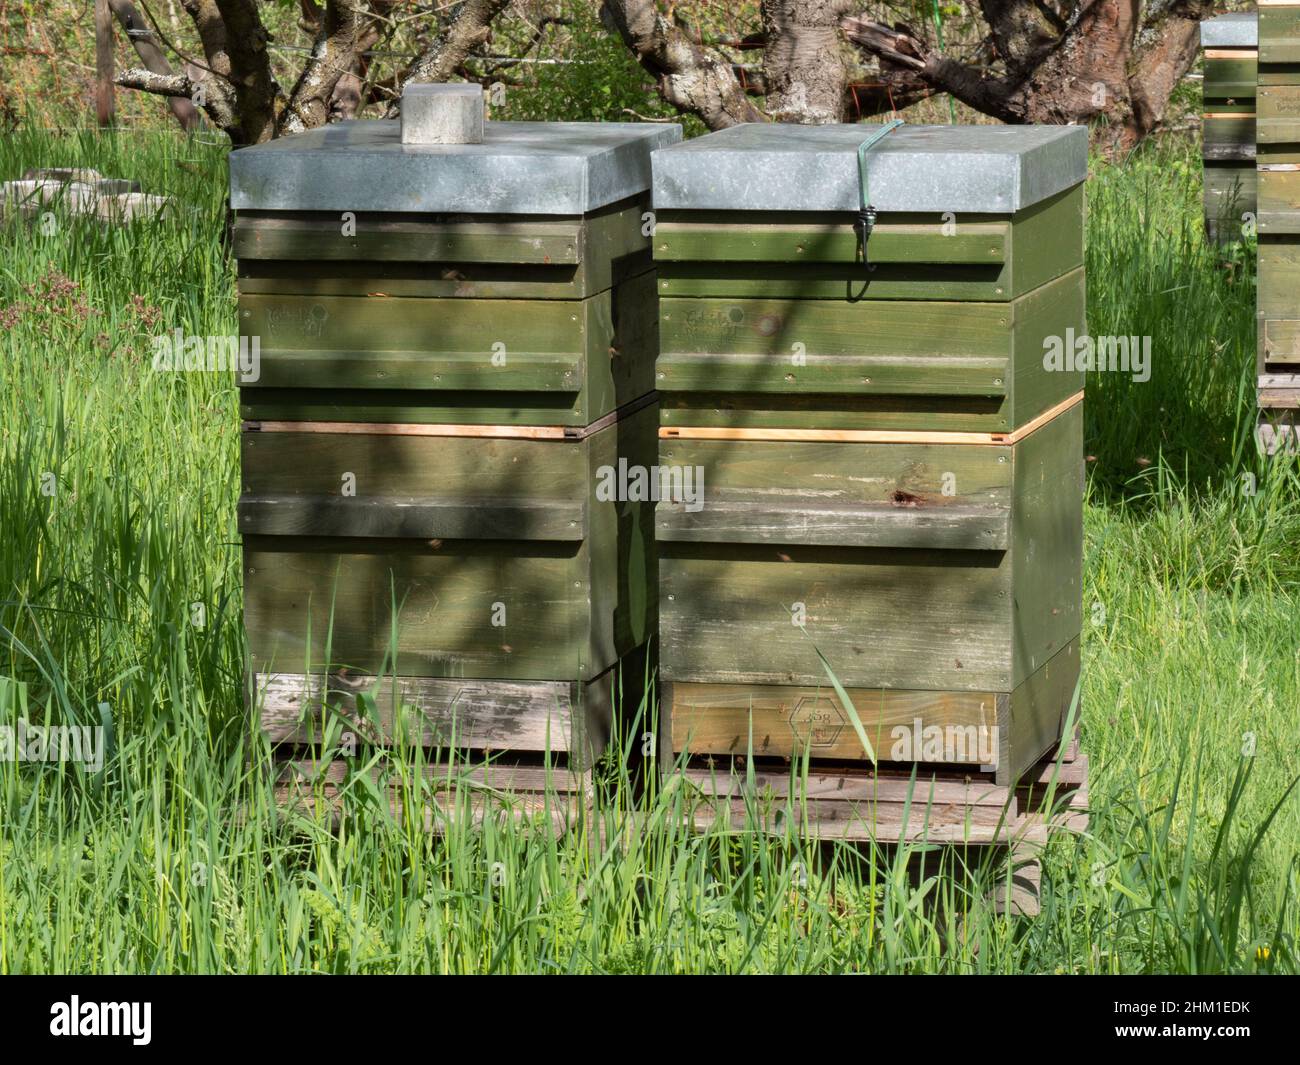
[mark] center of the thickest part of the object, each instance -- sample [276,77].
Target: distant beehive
[891,454]
[455,340]
[1278,308]
[1228,46]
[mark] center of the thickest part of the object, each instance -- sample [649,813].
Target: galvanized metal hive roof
[525,168]
[1237,30]
[782,167]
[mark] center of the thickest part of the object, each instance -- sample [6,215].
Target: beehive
[1278,306]
[456,342]
[891,460]
[1228,45]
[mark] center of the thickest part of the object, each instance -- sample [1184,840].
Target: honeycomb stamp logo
[113,1019]
[817,720]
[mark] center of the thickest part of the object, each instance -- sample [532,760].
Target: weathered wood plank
[435,713]
[787,720]
[1279,33]
[405,238]
[390,516]
[821,238]
[970,528]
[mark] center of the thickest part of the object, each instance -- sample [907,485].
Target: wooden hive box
[1229,50]
[889,460]
[1278,306]
[456,348]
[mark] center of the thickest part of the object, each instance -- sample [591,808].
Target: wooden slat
[321,238]
[934,374]
[385,516]
[869,436]
[473,714]
[785,720]
[971,528]
[833,239]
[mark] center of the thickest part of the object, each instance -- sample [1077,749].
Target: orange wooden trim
[1243,115]
[866,436]
[1232,53]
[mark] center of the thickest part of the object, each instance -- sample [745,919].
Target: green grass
[175,859]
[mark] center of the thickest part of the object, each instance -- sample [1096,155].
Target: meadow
[120,606]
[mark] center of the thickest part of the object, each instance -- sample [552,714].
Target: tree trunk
[105,105]
[803,62]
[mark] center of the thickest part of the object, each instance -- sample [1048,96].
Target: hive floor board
[446,795]
[483,715]
[888,806]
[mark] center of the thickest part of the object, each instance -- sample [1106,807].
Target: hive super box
[1278,306]
[1228,45]
[454,340]
[891,455]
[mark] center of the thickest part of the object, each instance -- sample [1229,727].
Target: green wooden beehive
[888,453]
[455,341]
[1278,308]
[1229,52]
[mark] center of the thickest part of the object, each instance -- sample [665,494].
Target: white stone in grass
[132,206]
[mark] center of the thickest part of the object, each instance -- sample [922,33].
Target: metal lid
[1238,30]
[785,167]
[524,168]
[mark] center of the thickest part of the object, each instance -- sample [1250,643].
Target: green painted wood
[1278,114]
[776,410]
[1047,541]
[405,516]
[882,617]
[465,257]
[623,574]
[1229,80]
[734,362]
[1228,138]
[1031,719]
[1229,196]
[1272,154]
[1279,202]
[942,374]
[413,407]
[933,615]
[315,237]
[482,521]
[1057,310]
[816,256]
[819,281]
[826,238]
[758,345]
[1278,284]
[1279,35]
[486,361]
[1279,74]
[431,605]
[882,525]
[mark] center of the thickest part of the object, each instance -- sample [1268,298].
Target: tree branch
[470,28]
[142,40]
[694,79]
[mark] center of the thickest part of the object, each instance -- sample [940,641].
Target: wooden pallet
[888,807]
